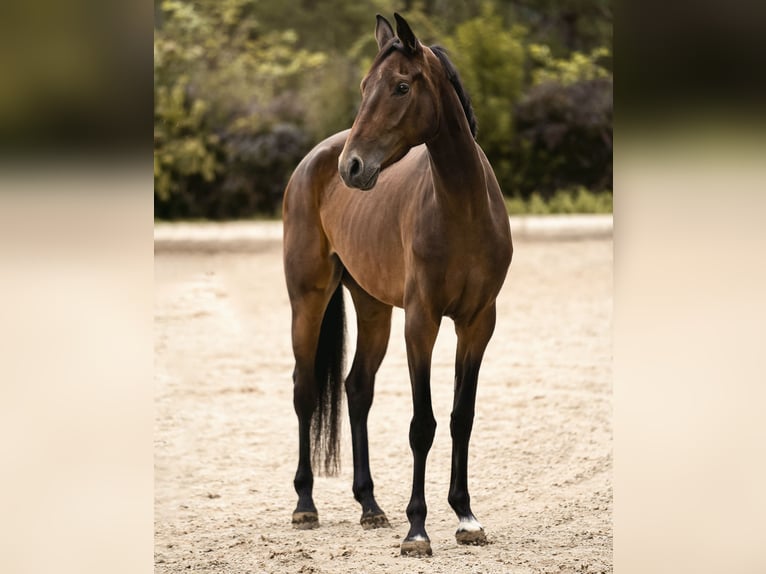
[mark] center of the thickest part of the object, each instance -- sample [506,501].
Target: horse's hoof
[305,520]
[416,548]
[371,521]
[471,537]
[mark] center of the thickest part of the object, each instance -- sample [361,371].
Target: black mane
[462,95]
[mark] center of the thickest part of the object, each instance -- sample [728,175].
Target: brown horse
[428,232]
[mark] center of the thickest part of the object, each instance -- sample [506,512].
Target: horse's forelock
[393,45]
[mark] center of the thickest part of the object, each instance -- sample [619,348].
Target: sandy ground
[540,467]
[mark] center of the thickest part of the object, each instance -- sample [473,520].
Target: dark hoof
[370,521]
[416,548]
[305,520]
[472,537]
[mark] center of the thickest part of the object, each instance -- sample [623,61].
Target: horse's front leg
[472,341]
[420,335]
[373,329]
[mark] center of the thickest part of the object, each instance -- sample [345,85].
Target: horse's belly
[379,275]
[364,231]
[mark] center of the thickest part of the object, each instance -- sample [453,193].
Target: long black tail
[328,369]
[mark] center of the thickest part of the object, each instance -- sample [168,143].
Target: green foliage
[536,138]
[564,137]
[566,25]
[181,147]
[330,96]
[222,84]
[490,60]
[579,200]
[243,89]
[566,71]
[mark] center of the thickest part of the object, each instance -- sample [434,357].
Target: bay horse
[403,210]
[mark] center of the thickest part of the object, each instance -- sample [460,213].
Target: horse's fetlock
[362,489]
[459,501]
[303,481]
[417,509]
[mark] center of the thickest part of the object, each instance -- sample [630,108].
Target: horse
[403,210]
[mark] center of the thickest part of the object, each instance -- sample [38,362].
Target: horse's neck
[458,173]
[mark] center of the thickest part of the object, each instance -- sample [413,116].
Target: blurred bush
[564,137]
[229,121]
[563,125]
[243,89]
[490,59]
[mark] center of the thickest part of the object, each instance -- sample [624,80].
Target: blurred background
[244,88]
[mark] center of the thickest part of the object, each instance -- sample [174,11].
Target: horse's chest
[461,271]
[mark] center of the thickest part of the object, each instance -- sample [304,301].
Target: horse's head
[399,107]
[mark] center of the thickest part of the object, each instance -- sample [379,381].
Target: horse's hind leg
[472,341]
[308,309]
[374,327]
[307,317]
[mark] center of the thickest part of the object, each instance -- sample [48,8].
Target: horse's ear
[403,30]
[383,31]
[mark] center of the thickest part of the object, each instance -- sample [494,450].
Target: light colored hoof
[370,522]
[305,520]
[416,548]
[471,537]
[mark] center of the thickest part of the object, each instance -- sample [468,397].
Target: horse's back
[313,172]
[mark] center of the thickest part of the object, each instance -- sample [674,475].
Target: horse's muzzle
[355,173]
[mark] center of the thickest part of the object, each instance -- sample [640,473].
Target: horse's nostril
[356,167]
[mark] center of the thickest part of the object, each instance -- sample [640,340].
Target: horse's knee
[422,432]
[461,424]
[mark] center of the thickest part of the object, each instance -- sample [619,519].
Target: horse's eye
[402,88]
